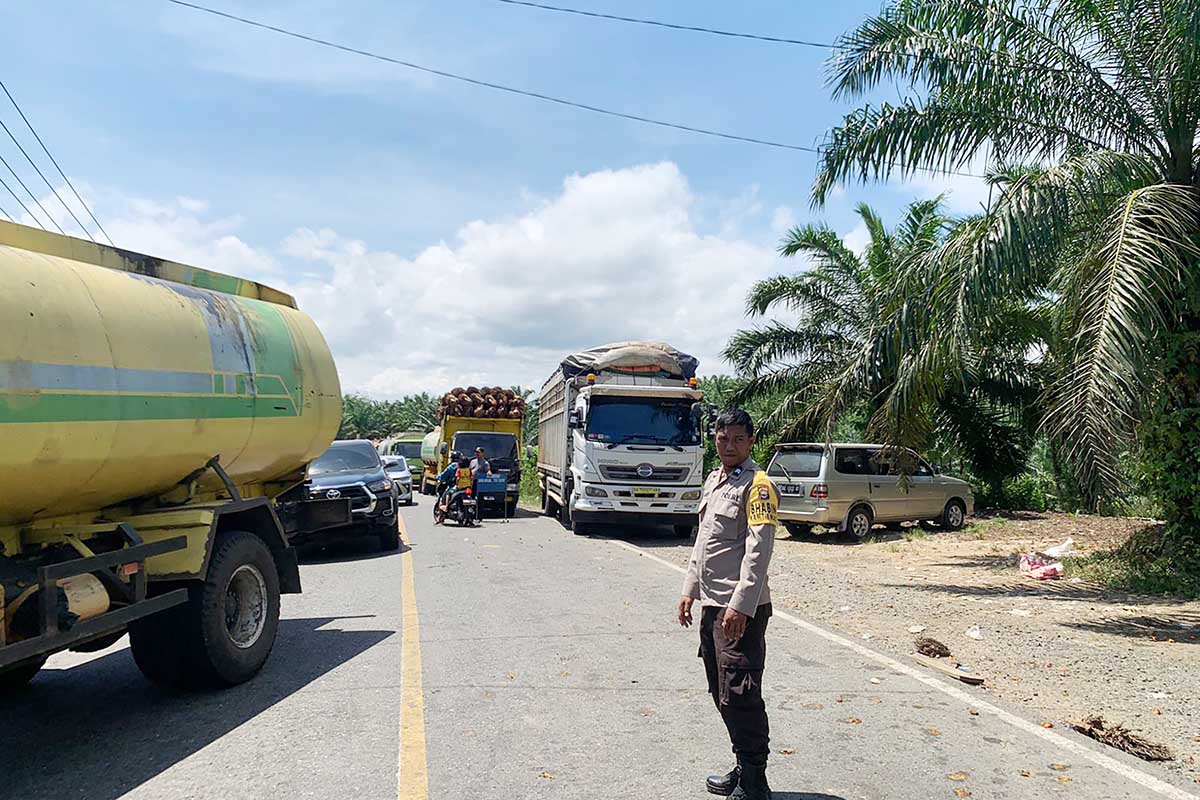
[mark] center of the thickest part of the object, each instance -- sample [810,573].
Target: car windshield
[496,446]
[649,420]
[358,457]
[796,464]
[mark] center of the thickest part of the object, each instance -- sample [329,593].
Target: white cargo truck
[619,438]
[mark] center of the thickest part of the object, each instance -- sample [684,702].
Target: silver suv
[853,486]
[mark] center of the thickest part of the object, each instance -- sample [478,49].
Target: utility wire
[33,197]
[6,214]
[671,25]
[524,93]
[46,150]
[48,184]
[21,204]
[490,85]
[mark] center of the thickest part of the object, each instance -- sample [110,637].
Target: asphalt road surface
[519,661]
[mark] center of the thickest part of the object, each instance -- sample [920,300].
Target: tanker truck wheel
[18,676]
[223,634]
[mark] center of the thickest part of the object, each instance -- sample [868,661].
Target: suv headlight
[691,494]
[380,486]
[594,491]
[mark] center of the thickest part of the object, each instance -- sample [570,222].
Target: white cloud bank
[616,254]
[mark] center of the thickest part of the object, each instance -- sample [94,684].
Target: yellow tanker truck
[156,423]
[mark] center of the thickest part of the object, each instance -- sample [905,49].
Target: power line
[523,92]
[6,214]
[671,25]
[33,197]
[46,150]
[43,177]
[490,85]
[21,204]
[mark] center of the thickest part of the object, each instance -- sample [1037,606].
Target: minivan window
[853,461]
[795,463]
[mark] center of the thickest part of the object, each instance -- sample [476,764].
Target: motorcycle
[462,507]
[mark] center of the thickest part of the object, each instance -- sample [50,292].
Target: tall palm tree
[1089,112]
[862,321]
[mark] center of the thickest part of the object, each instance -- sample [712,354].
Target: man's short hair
[478,449]
[735,416]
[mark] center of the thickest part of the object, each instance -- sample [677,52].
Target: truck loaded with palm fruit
[156,423]
[468,418]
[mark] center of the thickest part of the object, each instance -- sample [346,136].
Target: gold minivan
[851,487]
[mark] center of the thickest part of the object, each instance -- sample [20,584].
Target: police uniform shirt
[738,515]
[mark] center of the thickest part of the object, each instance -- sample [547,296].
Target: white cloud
[616,254]
[858,238]
[783,219]
[964,194]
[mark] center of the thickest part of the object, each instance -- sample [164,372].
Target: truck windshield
[410,450]
[346,458]
[646,420]
[496,446]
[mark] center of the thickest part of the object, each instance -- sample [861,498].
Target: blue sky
[332,175]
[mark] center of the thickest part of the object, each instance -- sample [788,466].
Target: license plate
[791,488]
[645,492]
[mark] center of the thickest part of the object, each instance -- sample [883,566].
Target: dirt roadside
[1056,650]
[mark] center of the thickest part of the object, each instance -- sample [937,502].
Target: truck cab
[637,450]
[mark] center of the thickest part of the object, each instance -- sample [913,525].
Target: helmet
[456,456]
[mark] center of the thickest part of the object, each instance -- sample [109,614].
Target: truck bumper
[634,517]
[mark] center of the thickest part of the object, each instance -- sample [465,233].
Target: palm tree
[1089,114]
[862,323]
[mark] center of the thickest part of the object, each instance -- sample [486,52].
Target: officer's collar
[746,466]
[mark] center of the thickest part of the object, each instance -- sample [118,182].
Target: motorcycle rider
[455,478]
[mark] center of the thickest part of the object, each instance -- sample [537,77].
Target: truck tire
[511,510]
[224,632]
[18,676]
[549,507]
[389,536]
[564,508]
[684,531]
[580,528]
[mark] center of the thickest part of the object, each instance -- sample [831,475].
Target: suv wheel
[955,516]
[858,524]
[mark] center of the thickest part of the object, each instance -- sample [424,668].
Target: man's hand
[685,611]
[734,624]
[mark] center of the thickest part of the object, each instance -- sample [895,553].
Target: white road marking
[1077,748]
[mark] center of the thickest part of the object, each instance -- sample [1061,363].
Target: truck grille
[632,474]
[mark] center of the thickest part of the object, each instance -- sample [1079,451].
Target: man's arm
[762,516]
[691,582]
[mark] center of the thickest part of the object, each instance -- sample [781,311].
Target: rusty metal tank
[122,374]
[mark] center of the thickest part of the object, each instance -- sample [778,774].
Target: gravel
[1054,651]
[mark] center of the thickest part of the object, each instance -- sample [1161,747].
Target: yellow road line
[412,776]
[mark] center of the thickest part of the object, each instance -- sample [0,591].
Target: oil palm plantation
[859,324]
[1088,113]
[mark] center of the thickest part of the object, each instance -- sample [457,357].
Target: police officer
[728,575]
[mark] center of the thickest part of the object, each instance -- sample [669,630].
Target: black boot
[723,784]
[752,782]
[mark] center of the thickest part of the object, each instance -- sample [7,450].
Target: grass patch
[915,534]
[1139,565]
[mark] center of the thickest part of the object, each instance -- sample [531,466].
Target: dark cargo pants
[735,670]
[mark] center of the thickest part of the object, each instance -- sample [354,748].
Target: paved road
[550,668]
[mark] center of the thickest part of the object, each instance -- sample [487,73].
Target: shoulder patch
[763,507]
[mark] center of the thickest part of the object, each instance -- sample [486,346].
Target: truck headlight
[691,494]
[380,486]
[593,491]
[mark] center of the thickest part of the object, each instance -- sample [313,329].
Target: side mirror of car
[573,421]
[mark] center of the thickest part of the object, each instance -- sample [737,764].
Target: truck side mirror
[697,411]
[529,451]
[573,421]
[445,448]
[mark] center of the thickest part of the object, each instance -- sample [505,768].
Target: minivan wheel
[858,524]
[955,516]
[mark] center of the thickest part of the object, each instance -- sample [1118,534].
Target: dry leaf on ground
[957,776]
[547,775]
[962,792]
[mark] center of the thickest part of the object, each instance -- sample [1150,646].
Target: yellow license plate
[645,492]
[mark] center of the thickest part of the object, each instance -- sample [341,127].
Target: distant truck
[619,438]
[404,444]
[468,418]
[156,424]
